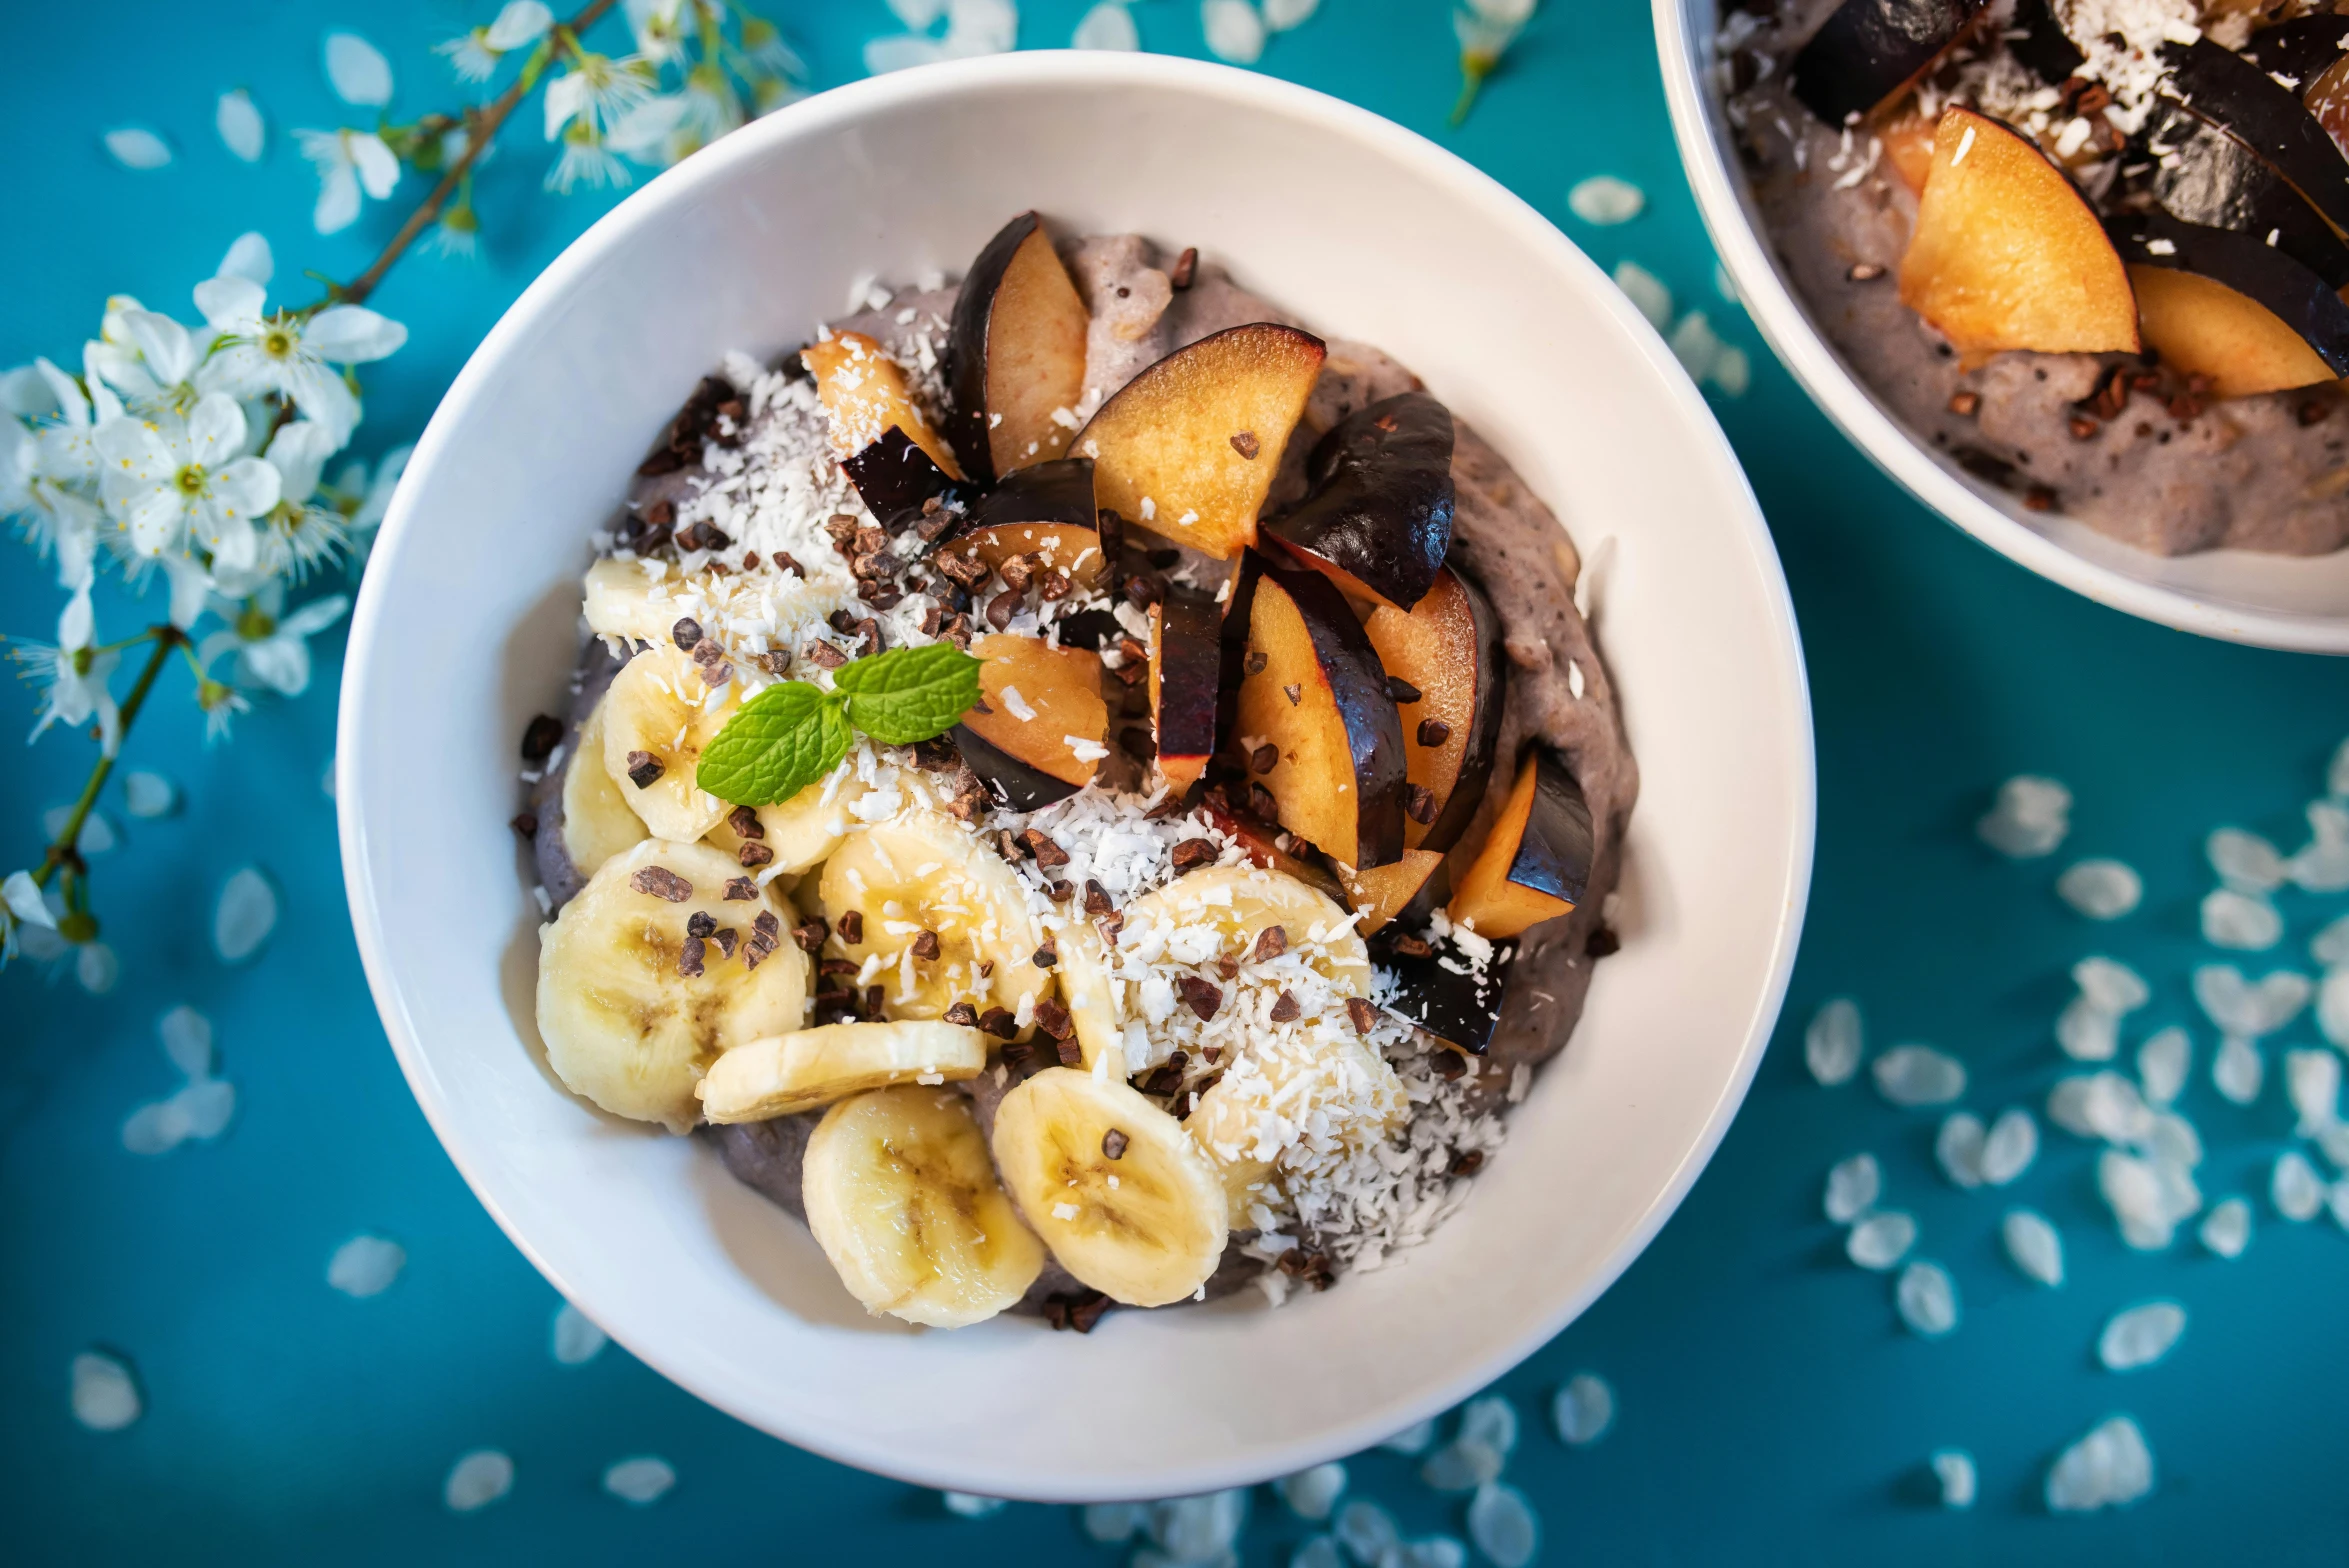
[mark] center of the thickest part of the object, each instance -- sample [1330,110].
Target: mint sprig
[793,734]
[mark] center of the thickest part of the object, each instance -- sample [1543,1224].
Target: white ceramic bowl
[2272,601]
[467,624]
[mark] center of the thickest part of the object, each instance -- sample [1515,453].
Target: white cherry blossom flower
[272,648]
[174,483]
[258,355]
[349,163]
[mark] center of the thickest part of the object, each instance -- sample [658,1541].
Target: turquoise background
[1771,1408]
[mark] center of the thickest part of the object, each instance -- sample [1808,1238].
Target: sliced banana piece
[1321,1078]
[1221,911]
[803,831]
[598,822]
[1114,1185]
[799,1071]
[633,1004]
[623,600]
[658,718]
[923,872]
[904,1201]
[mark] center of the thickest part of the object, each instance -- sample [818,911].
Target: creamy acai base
[1209,943]
[2089,249]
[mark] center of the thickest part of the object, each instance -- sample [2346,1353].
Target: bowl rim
[1787,327]
[841,107]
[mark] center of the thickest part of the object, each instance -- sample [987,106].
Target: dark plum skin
[2210,178]
[1011,781]
[1374,727]
[966,348]
[1060,491]
[1190,669]
[1555,851]
[2243,100]
[1459,1009]
[1870,49]
[2250,267]
[1379,506]
[895,479]
[1484,737]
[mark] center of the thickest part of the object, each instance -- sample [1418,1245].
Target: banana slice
[658,717]
[810,1067]
[633,1005]
[1318,1081]
[1222,910]
[1114,1185]
[923,872]
[623,601]
[598,822]
[902,1198]
[1092,995]
[804,830]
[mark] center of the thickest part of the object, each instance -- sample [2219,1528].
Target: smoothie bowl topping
[2090,249]
[1085,792]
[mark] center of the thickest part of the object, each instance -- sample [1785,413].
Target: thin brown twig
[480,132]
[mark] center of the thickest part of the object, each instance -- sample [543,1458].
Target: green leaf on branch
[909,694]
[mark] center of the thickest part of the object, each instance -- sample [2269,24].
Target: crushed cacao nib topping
[661,882]
[540,737]
[644,769]
[689,956]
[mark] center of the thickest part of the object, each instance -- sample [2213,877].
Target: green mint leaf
[909,694]
[777,744]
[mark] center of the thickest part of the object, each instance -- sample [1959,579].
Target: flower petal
[231,303]
[352,335]
[357,70]
[338,198]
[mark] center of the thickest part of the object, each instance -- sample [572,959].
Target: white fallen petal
[1853,1187]
[2033,1246]
[640,1481]
[1954,1468]
[2295,1188]
[2238,1070]
[135,147]
[1958,1148]
[1583,1410]
[1831,1045]
[365,1266]
[1313,1494]
[2244,860]
[2101,889]
[1927,1299]
[2141,1335]
[1502,1524]
[2028,818]
[1880,1240]
[245,916]
[2010,1147]
[2109,1468]
[477,1480]
[1913,1075]
[2111,985]
[1604,200]
[105,1395]
[187,1040]
[577,1340]
[2240,921]
[2163,1063]
[963,1505]
[2226,1229]
[148,795]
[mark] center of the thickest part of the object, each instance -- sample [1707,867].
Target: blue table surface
[1771,1407]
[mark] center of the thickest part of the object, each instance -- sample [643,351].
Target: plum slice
[1448,652]
[1440,988]
[1869,50]
[2227,306]
[1188,448]
[2241,99]
[2005,253]
[1186,664]
[1377,519]
[864,394]
[1015,353]
[1536,862]
[1041,706]
[1409,891]
[1315,724]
